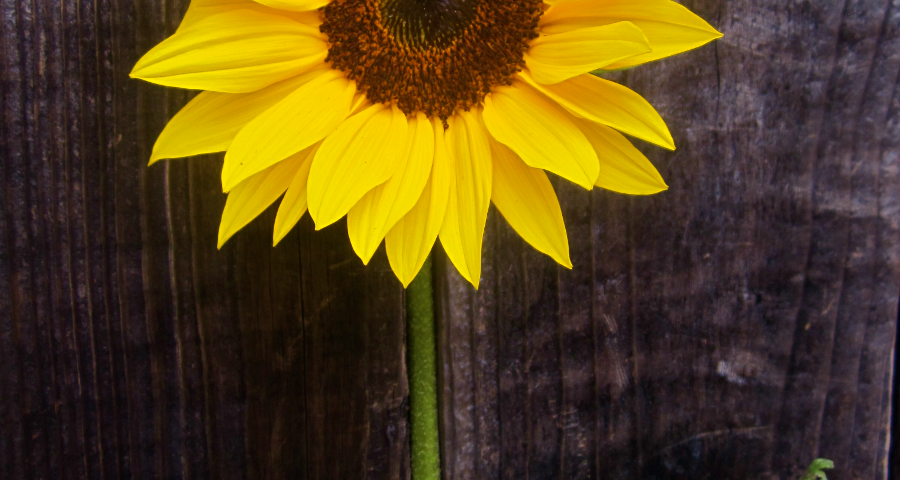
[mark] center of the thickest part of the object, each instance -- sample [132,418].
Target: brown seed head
[430,56]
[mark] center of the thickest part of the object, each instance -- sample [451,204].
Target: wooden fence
[734,327]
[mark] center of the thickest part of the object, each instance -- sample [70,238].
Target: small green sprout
[814,472]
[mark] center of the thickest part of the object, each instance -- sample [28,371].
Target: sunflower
[411,116]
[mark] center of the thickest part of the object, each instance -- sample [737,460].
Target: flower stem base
[425,459]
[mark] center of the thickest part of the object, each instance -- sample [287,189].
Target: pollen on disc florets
[430,56]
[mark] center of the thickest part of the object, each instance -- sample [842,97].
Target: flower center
[426,23]
[430,56]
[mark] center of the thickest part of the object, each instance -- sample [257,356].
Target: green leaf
[815,472]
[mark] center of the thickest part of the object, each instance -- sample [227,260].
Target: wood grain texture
[129,346]
[734,327]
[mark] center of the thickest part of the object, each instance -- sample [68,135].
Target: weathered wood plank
[741,323]
[736,326]
[131,347]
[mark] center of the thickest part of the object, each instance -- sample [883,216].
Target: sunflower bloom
[410,116]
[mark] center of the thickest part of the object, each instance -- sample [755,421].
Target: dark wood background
[735,327]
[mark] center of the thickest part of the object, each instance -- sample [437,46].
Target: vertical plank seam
[474,363]
[594,339]
[869,320]
[445,375]
[303,353]
[367,410]
[499,368]
[886,413]
[110,156]
[201,334]
[131,452]
[5,270]
[156,397]
[529,348]
[27,152]
[809,250]
[812,193]
[848,253]
[79,407]
[635,361]
[718,68]
[102,157]
[34,223]
[449,349]
[58,364]
[562,420]
[47,243]
[878,236]
[893,446]
[86,239]
[177,313]
[17,459]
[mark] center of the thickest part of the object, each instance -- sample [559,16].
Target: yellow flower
[411,116]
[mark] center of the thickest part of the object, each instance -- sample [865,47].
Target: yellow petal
[623,168]
[293,206]
[670,27]
[295,5]
[611,104]
[217,3]
[200,9]
[360,103]
[254,195]
[540,132]
[301,119]
[554,58]
[376,212]
[235,51]
[409,242]
[526,199]
[210,121]
[470,193]
[361,154]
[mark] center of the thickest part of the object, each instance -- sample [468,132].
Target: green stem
[425,455]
